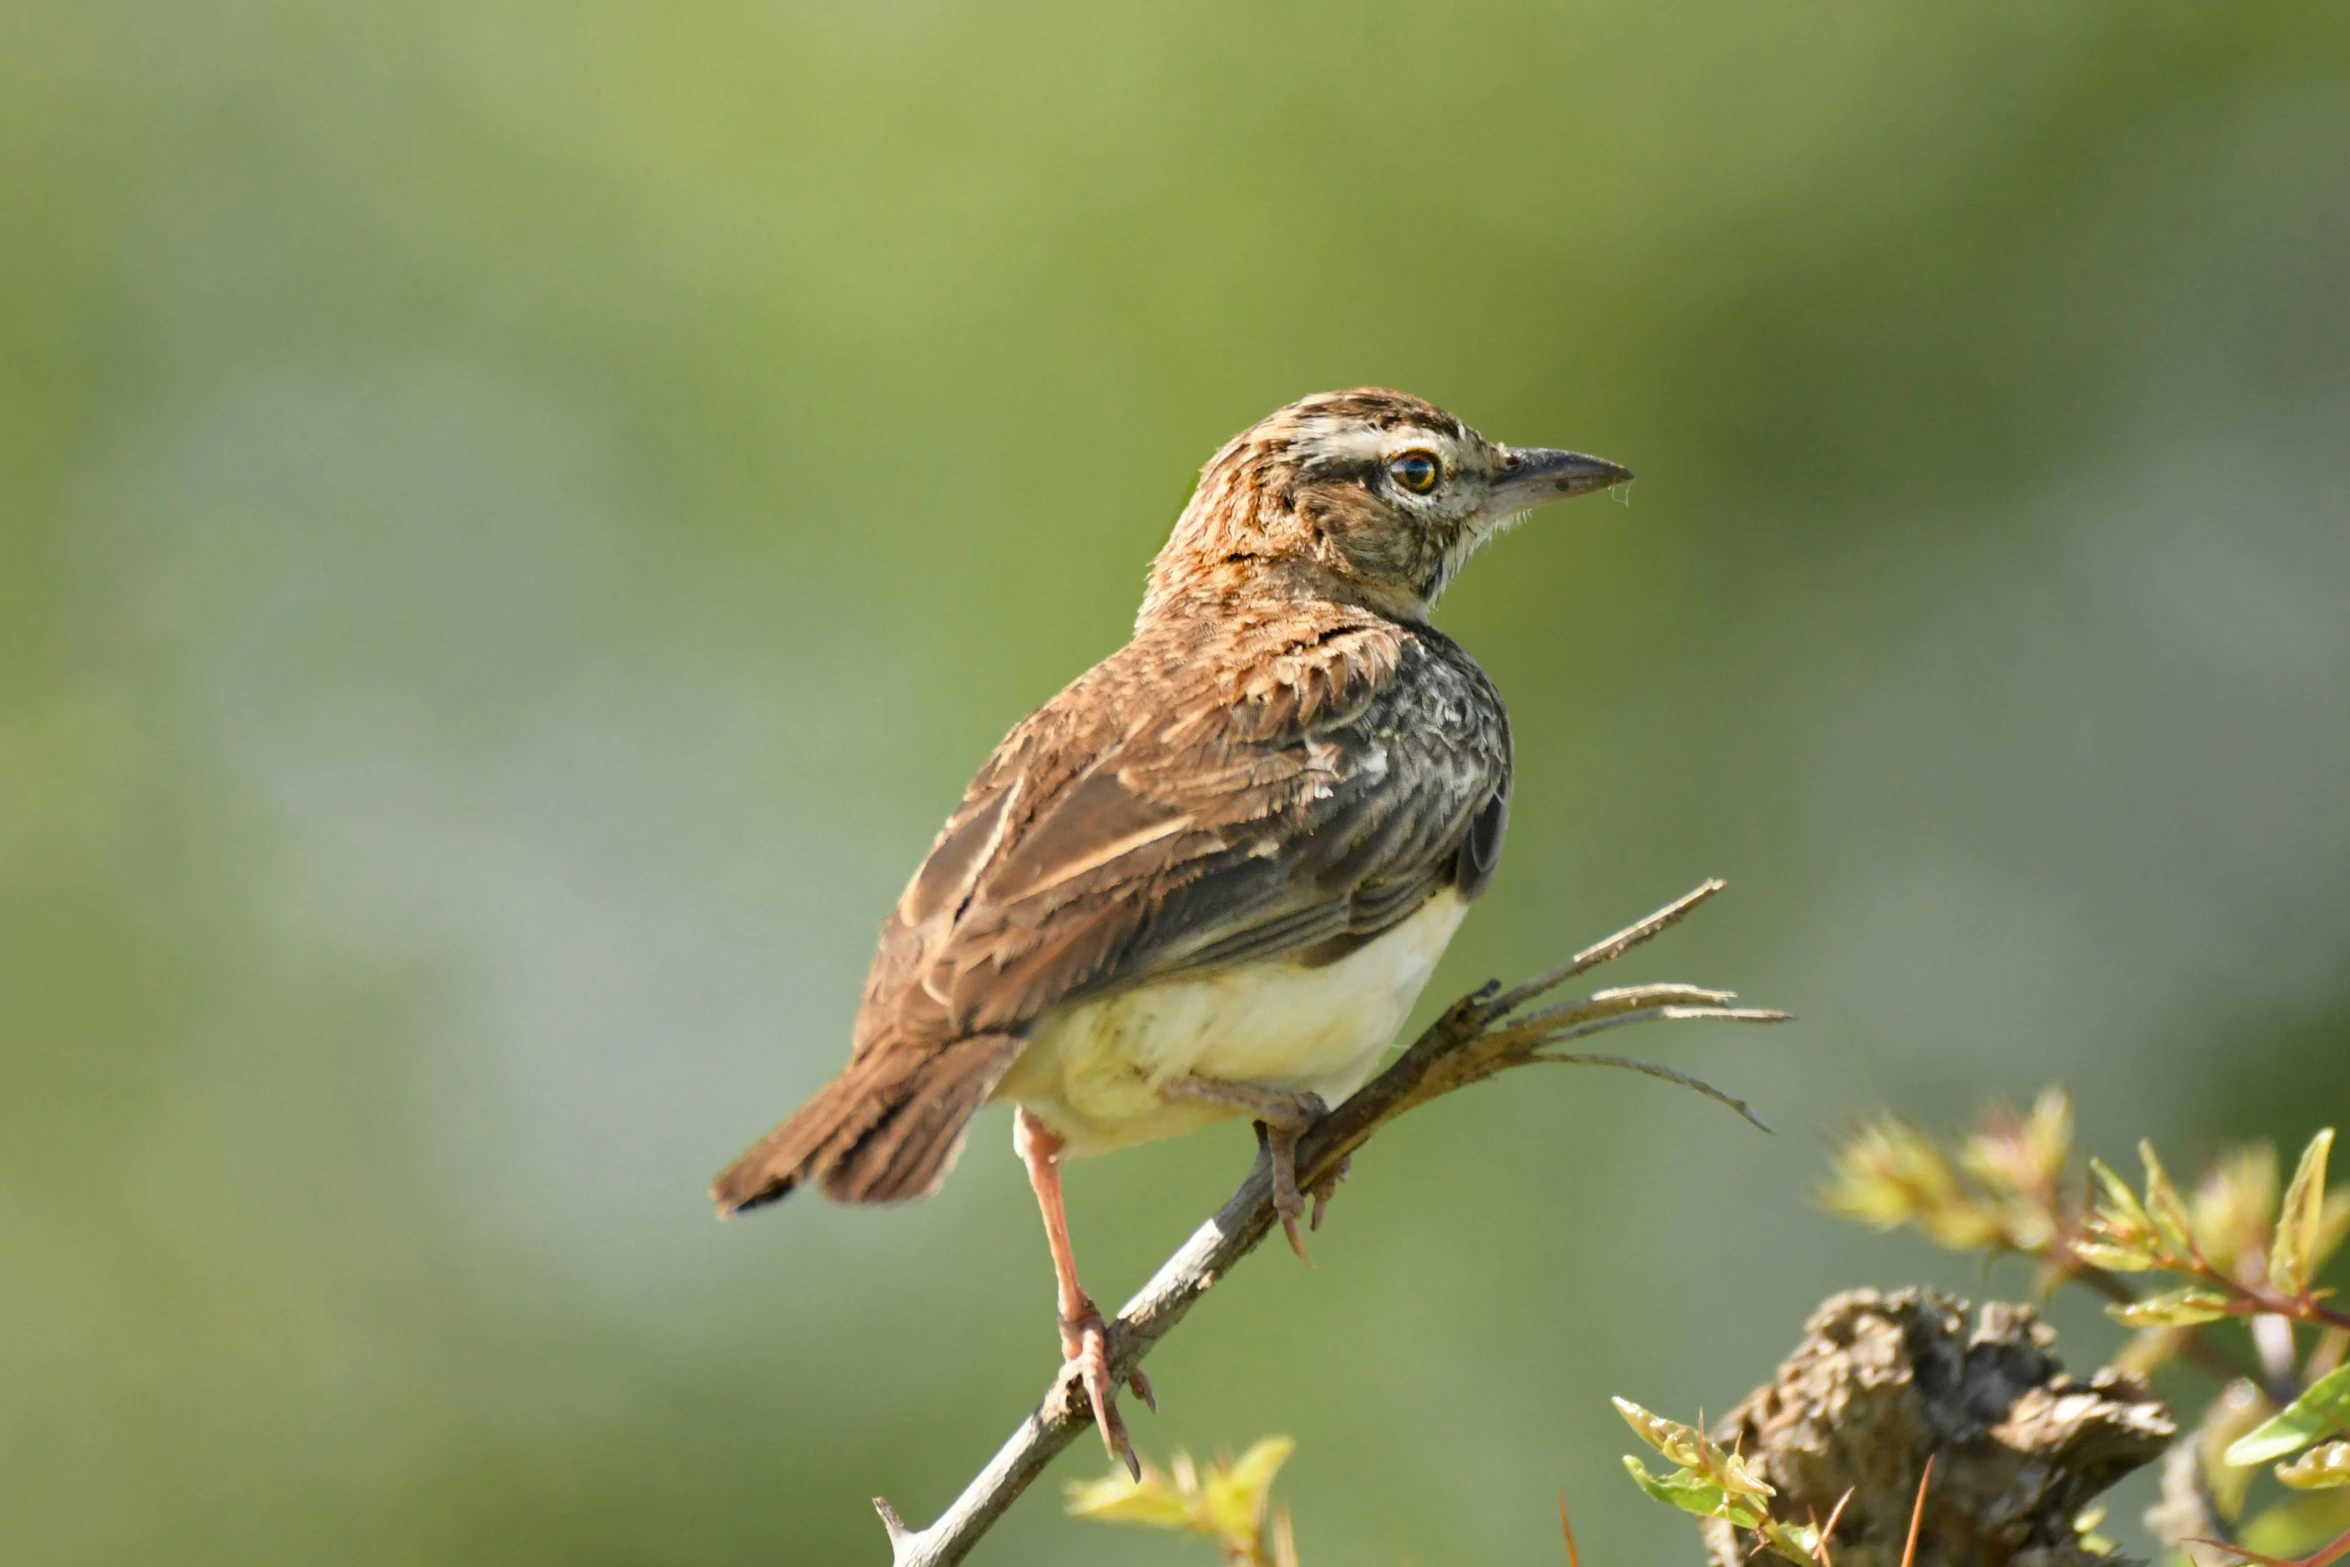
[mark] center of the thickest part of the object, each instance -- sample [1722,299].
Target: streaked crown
[1369,496]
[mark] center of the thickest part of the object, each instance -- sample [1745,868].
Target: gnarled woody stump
[1881,1383]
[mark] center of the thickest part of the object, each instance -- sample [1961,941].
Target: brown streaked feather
[910,1149]
[1285,762]
[1099,848]
[1239,826]
[886,1130]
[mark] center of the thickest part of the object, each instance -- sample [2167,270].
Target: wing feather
[1107,844]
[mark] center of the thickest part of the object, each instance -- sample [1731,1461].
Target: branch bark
[1480,1035]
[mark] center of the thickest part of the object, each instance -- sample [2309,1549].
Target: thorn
[891,1521]
[1574,1557]
[1830,1527]
[1917,1515]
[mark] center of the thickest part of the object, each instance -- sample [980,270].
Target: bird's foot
[1085,1350]
[1279,1138]
[1282,1118]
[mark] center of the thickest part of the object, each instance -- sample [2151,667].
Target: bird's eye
[1416,471]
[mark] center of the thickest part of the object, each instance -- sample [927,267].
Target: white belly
[1092,1070]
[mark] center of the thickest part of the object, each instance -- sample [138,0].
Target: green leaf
[2113,1258]
[2049,1133]
[2085,1533]
[2122,1234]
[2234,1204]
[1730,1472]
[1887,1173]
[1234,1499]
[2299,1523]
[2177,1308]
[2292,1256]
[1691,1493]
[2124,1202]
[1227,1504]
[2323,1409]
[1798,1542]
[1680,1443]
[2319,1469]
[1116,1498]
[2164,1204]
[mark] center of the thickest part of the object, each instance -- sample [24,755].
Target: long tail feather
[886,1130]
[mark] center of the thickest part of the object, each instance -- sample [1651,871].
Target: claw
[1288,1201]
[1085,1341]
[1297,1242]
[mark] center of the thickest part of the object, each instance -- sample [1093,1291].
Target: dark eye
[1417,471]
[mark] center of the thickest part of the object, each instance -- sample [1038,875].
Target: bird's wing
[1133,829]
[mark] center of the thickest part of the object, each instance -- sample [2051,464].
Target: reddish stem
[2324,1558]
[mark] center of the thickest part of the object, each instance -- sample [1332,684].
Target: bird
[1210,877]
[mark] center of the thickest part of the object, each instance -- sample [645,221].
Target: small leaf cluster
[1230,1502]
[2243,1431]
[2235,1248]
[2322,1411]
[2243,1265]
[1713,1482]
[2001,1190]
[2241,1245]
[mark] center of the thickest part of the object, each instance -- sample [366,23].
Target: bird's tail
[886,1130]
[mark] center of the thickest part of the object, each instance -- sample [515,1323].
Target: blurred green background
[517,521]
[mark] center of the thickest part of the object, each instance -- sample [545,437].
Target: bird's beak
[1532,475]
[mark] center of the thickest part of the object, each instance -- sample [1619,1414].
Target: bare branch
[1615,946]
[1474,1039]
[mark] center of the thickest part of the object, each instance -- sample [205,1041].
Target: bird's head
[1369,496]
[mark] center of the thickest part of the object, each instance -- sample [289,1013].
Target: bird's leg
[1282,1118]
[1085,1337]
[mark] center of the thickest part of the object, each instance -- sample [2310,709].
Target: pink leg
[1085,1338]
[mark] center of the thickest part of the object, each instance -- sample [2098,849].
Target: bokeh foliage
[516,520]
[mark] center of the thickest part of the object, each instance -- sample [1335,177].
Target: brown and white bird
[1211,876]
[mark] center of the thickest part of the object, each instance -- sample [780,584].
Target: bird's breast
[1093,1069]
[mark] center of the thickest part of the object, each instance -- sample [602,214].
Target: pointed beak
[1533,475]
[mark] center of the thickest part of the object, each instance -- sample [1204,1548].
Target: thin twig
[1474,1039]
[1615,946]
[1668,1074]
